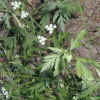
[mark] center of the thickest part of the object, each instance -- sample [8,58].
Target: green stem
[42,30]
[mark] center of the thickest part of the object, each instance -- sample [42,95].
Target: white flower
[46,27]
[24,14]
[16,5]
[50,28]
[50,32]
[4,92]
[43,43]
[42,40]
[3,89]
[54,26]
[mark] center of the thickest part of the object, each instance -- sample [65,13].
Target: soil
[90,20]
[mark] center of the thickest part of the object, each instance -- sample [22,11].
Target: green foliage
[83,71]
[62,11]
[31,71]
[76,43]
[58,60]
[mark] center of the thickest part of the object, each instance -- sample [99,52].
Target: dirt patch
[91,22]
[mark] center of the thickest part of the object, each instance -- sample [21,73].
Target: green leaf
[94,63]
[83,60]
[98,72]
[81,35]
[76,43]
[56,50]
[68,57]
[44,20]
[57,70]
[79,69]
[83,71]
[92,87]
[48,65]
[3,4]
[49,62]
[61,23]
[50,57]
[55,16]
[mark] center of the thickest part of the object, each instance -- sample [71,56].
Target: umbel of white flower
[41,39]
[4,92]
[24,14]
[16,4]
[50,28]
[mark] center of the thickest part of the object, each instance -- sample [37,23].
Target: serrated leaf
[83,71]
[94,63]
[56,50]
[45,67]
[68,57]
[76,43]
[90,90]
[49,62]
[50,56]
[83,60]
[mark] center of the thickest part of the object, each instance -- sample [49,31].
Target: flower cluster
[4,92]
[16,5]
[50,28]
[24,14]
[42,40]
